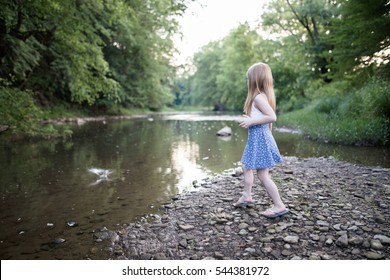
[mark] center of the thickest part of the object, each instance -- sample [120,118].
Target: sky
[210,20]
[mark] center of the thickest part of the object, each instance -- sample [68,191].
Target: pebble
[342,241]
[332,216]
[383,239]
[373,255]
[291,239]
[355,240]
[186,227]
[376,244]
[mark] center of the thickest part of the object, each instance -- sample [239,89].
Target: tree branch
[305,23]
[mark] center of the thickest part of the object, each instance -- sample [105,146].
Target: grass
[333,128]
[345,114]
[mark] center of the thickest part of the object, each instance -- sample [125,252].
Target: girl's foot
[275,212]
[243,202]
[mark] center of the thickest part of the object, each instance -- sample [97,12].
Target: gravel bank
[338,210]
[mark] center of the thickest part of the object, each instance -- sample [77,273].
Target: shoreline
[338,211]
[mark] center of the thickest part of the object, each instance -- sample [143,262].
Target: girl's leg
[248,184]
[271,188]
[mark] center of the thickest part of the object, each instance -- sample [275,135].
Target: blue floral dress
[261,150]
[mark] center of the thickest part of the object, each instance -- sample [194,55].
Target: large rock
[226,131]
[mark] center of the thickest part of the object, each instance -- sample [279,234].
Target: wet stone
[186,227]
[373,255]
[291,239]
[376,244]
[355,240]
[383,239]
[286,253]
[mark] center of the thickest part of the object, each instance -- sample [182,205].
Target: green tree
[207,63]
[241,48]
[52,47]
[90,53]
[308,21]
[361,37]
[140,49]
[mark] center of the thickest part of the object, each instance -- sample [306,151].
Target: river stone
[329,241]
[355,240]
[376,244]
[267,239]
[133,251]
[186,227]
[383,239]
[314,256]
[352,228]
[243,226]
[250,250]
[94,250]
[252,229]
[342,241]
[355,251]
[322,223]
[373,255]
[286,253]
[160,256]
[291,239]
[314,237]
[225,131]
[296,258]
[337,227]
[380,219]
[183,243]
[366,244]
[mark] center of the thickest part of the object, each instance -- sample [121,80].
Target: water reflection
[296,145]
[185,158]
[46,184]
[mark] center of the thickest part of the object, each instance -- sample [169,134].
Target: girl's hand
[246,121]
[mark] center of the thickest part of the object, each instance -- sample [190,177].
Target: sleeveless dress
[261,150]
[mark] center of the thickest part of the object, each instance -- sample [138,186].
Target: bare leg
[248,184]
[271,188]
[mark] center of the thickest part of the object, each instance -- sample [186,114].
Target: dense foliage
[329,58]
[92,52]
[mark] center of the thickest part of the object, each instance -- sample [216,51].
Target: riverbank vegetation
[84,57]
[330,61]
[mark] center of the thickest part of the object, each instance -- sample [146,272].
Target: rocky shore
[338,211]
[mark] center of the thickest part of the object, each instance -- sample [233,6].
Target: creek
[51,204]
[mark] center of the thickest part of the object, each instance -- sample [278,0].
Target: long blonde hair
[260,79]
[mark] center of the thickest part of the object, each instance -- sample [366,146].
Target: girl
[261,151]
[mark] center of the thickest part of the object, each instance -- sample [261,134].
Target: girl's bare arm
[262,104]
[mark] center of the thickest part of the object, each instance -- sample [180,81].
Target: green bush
[346,130]
[346,115]
[328,105]
[376,97]
[22,116]
[358,131]
[18,111]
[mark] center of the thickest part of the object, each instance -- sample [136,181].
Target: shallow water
[46,184]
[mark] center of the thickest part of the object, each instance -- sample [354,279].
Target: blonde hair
[260,80]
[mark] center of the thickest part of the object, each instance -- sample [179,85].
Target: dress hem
[262,167]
